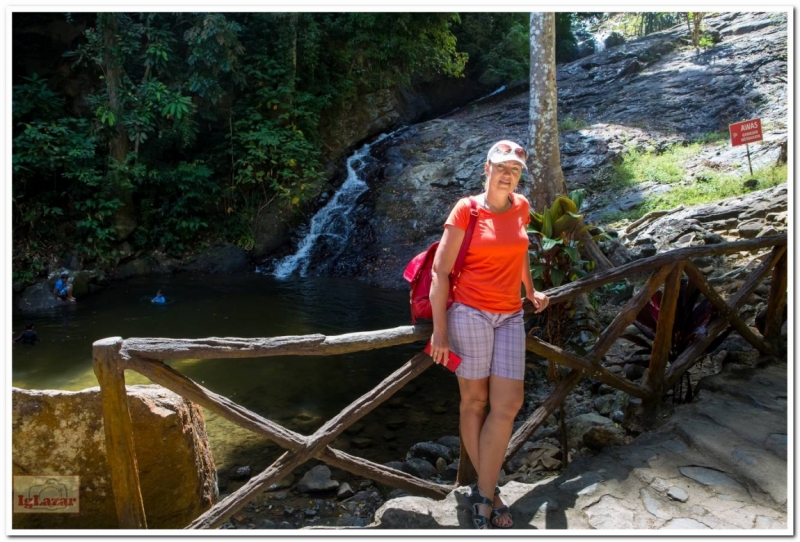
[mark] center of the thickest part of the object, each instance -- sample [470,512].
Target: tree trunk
[544,157]
[125,217]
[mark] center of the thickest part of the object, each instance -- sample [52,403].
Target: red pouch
[453,360]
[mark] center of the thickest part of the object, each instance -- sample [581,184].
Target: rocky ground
[717,463]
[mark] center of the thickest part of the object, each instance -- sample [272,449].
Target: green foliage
[705,40]
[389,50]
[555,256]
[570,122]
[654,21]
[669,167]
[566,44]
[636,24]
[555,260]
[181,198]
[35,97]
[203,121]
[666,167]
[498,46]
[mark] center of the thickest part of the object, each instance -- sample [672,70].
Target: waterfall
[600,41]
[334,222]
[331,228]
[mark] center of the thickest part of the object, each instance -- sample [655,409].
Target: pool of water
[299,392]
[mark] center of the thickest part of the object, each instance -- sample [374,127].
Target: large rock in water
[224,258]
[61,433]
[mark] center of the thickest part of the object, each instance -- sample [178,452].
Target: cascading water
[600,41]
[334,222]
[332,226]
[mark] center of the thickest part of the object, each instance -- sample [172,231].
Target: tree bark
[125,216]
[544,157]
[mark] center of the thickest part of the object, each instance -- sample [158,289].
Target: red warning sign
[747,131]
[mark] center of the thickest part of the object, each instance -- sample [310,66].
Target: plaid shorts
[488,342]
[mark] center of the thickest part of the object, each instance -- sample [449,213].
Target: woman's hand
[440,347]
[540,301]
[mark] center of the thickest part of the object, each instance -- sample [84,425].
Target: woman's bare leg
[474,398]
[505,399]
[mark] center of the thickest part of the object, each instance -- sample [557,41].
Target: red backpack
[419,269]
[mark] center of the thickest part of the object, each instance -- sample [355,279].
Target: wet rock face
[61,433]
[647,94]
[224,258]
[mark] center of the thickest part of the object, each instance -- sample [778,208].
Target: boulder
[318,479]
[61,433]
[430,451]
[604,404]
[140,266]
[419,468]
[750,230]
[579,425]
[536,456]
[225,258]
[451,441]
[344,491]
[602,436]
[38,297]
[614,39]
[414,512]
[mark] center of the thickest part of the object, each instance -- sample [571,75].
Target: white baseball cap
[506,151]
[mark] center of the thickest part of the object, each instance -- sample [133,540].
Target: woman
[484,325]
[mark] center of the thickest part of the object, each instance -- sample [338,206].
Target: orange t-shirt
[492,272]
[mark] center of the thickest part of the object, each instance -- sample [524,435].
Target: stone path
[718,463]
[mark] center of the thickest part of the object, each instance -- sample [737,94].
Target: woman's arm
[527,280]
[443,263]
[539,300]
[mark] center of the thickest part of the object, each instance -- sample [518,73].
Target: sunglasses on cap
[504,149]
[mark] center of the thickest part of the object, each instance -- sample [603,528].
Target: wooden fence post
[777,301]
[663,340]
[698,279]
[466,470]
[120,451]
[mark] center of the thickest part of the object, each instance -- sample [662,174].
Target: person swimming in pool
[159,298]
[29,336]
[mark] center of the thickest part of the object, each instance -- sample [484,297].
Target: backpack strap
[462,252]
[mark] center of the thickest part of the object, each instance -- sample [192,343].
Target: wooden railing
[112,356]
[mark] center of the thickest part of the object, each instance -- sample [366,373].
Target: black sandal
[499,512]
[475,499]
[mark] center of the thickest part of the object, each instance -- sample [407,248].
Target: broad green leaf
[547,223]
[572,253]
[577,196]
[564,205]
[565,224]
[548,243]
[557,276]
